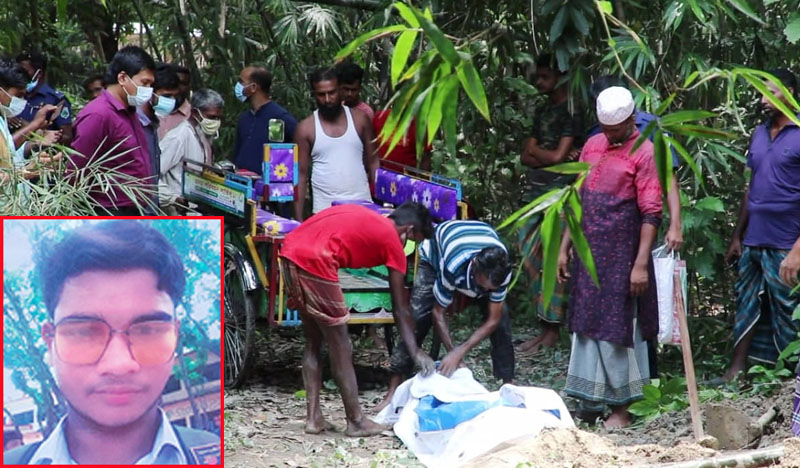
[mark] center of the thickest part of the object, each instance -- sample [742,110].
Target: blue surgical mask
[15,107]
[164,106]
[142,96]
[238,90]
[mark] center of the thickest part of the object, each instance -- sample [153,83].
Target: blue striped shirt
[450,253]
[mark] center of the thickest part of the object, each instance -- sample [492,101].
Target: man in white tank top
[336,144]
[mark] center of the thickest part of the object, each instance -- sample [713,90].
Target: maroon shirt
[107,118]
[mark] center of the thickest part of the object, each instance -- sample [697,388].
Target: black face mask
[330,111]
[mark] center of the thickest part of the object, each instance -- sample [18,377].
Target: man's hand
[638,280]
[47,160]
[40,119]
[674,238]
[50,137]
[424,362]
[450,363]
[790,268]
[734,250]
[563,267]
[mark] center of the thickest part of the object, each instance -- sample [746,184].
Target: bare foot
[618,418]
[365,428]
[548,339]
[526,346]
[317,427]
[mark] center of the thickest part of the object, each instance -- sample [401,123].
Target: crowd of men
[150,113]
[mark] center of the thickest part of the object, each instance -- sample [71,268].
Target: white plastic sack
[475,437]
[664,261]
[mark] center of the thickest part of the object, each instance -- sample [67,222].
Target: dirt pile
[574,448]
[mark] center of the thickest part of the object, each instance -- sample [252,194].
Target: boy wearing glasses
[111,290]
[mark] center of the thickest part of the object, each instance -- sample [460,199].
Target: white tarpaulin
[512,412]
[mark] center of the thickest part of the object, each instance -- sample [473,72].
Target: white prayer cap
[614,105]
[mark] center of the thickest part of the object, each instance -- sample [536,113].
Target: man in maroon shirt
[109,124]
[347,236]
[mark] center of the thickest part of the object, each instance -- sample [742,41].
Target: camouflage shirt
[550,124]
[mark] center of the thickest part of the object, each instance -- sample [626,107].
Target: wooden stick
[746,459]
[688,361]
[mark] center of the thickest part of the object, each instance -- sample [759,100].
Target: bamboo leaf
[569,168]
[580,243]
[645,135]
[606,7]
[745,8]
[665,105]
[579,21]
[366,37]
[402,50]
[701,132]
[471,82]
[450,120]
[686,157]
[747,74]
[437,38]
[407,14]
[445,87]
[685,116]
[551,244]
[658,154]
[540,203]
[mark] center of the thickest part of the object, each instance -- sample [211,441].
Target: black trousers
[422,301]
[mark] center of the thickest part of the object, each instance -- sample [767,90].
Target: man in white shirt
[110,290]
[189,141]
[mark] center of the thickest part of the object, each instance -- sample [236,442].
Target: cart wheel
[240,324]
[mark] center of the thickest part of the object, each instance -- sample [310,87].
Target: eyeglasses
[84,341]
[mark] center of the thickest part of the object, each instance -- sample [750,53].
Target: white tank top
[337,166]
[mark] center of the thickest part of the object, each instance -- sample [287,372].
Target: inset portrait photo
[112,341]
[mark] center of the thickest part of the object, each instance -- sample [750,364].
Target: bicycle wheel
[240,324]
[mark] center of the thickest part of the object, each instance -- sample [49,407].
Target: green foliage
[660,398]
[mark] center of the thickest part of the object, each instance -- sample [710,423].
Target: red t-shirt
[405,152]
[344,236]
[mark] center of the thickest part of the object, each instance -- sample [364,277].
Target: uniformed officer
[40,93]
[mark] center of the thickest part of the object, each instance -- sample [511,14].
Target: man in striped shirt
[468,257]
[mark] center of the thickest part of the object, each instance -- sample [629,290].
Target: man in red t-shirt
[406,150]
[347,236]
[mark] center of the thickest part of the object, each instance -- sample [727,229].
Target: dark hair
[12,75]
[180,69]
[604,82]
[547,61]
[262,77]
[38,60]
[166,77]
[322,74]
[493,262]
[786,77]
[116,245]
[349,73]
[131,60]
[416,215]
[92,79]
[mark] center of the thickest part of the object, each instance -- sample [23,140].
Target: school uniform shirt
[450,253]
[166,448]
[344,236]
[44,95]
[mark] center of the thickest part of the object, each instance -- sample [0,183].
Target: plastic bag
[664,261]
[680,302]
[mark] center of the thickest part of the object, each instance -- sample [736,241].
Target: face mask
[142,96]
[238,90]
[210,127]
[15,107]
[33,83]
[164,106]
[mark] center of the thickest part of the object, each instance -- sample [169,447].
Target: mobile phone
[54,115]
[276,133]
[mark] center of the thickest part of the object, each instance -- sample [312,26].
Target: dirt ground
[264,420]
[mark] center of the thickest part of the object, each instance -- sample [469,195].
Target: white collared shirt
[166,448]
